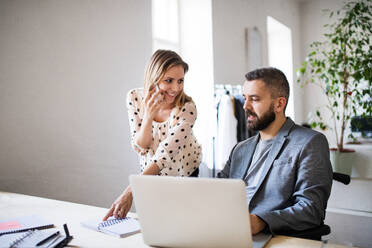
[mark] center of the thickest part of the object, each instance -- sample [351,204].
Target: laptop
[193,212]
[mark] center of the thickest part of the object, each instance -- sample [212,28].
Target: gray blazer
[293,191]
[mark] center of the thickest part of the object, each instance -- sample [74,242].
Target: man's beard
[262,122]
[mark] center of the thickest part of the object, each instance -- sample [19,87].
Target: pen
[47,238]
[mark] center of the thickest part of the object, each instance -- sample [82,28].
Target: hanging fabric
[226,131]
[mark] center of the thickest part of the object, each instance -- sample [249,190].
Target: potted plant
[341,66]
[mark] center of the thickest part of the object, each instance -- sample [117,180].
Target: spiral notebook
[23,223]
[31,238]
[116,227]
[50,238]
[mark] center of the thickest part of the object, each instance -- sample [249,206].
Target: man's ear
[280,104]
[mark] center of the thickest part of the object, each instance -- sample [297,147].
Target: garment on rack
[226,131]
[243,132]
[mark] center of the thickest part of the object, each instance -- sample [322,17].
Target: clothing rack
[220,89]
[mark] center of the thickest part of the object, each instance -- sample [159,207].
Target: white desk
[60,212]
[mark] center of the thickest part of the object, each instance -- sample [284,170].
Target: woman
[161,117]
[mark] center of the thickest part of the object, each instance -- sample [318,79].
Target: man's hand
[257,224]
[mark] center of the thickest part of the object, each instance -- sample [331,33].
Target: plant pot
[342,161]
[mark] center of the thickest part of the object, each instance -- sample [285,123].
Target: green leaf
[322,126]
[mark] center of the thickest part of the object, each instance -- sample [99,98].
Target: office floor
[349,229]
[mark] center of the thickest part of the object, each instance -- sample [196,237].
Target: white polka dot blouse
[174,149]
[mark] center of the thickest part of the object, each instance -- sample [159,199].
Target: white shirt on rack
[226,131]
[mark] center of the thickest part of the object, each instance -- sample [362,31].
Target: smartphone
[157,90]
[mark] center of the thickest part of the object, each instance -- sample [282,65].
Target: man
[286,167]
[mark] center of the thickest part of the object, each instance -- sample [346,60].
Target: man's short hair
[274,79]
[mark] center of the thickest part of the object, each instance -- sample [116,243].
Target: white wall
[230,18]
[65,68]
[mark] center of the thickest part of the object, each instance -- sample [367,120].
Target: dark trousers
[195,173]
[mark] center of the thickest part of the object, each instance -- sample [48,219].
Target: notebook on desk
[194,212]
[50,238]
[117,227]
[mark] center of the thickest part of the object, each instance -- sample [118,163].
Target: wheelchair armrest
[343,178]
[315,233]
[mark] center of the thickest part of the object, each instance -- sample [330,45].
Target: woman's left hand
[121,206]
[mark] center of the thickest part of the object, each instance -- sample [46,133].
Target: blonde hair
[160,62]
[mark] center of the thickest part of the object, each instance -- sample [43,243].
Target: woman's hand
[153,102]
[121,206]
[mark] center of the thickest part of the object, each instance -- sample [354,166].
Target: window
[280,54]
[185,26]
[165,25]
